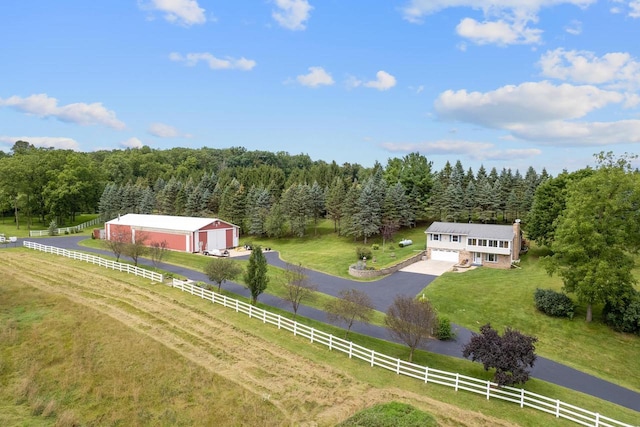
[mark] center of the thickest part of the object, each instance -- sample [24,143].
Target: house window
[493,243]
[455,238]
[491,257]
[482,242]
[504,244]
[435,237]
[472,242]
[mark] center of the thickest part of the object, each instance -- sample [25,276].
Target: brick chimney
[517,239]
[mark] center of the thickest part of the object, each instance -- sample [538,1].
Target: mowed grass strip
[505,298]
[367,386]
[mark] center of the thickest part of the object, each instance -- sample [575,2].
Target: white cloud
[316,77]
[60,143]
[183,12]
[506,21]
[292,14]
[191,59]
[416,10]
[383,81]
[473,150]
[616,69]
[132,143]
[498,32]
[574,28]
[42,105]
[533,102]
[634,8]
[162,130]
[581,134]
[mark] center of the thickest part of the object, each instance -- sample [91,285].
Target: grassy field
[80,344]
[8,225]
[505,298]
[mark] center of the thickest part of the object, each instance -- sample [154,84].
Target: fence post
[237,307]
[522,398]
[350,348]
[279,320]
[426,374]
[397,366]
[457,379]
[295,328]
[330,342]
[250,310]
[488,389]
[558,408]
[597,420]
[264,316]
[373,357]
[312,335]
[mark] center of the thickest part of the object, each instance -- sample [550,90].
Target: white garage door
[440,255]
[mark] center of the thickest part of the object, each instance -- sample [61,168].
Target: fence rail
[113,265]
[66,230]
[485,388]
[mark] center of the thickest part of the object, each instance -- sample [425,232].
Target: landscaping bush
[554,303]
[363,252]
[375,246]
[393,414]
[444,331]
[625,317]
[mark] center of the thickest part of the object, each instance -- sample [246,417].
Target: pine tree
[335,199]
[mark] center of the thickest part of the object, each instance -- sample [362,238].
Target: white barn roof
[166,222]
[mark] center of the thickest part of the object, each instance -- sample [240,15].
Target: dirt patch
[308,393]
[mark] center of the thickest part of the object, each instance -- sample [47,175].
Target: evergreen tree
[350,208]
[334,203]
[317,195]
[258,206]
[369,207]
[276,221]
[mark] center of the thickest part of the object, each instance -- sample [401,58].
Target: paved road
[382,293]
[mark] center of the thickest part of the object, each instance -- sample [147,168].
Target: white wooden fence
[424,373]
[66,230]
[126,268]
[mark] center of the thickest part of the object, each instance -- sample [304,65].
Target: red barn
[181,233]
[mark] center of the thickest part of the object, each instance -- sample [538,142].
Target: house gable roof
[482,231]
[166,222]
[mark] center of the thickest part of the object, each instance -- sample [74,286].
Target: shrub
[53,227]
[390,414]
[375,246]
[554,303]
[363,252]
[444,331]
[624,317]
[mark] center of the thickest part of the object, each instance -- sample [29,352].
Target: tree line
[266,194]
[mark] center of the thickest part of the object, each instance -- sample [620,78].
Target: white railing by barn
[66,230]
[423,373]
[113,265]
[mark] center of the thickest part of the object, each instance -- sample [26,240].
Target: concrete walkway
[382,293]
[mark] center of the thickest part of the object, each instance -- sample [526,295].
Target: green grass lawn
[505,298]
[8,225]
[332,254]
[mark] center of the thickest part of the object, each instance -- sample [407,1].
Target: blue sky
[505,83]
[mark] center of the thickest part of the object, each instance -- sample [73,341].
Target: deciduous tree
[219,270]
[511,354]
[411,321]
[350,306]
[256,275]
[297,286]
[596,234]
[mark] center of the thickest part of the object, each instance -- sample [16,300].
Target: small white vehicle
[217,252]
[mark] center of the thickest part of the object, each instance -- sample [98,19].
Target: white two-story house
[490,245]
